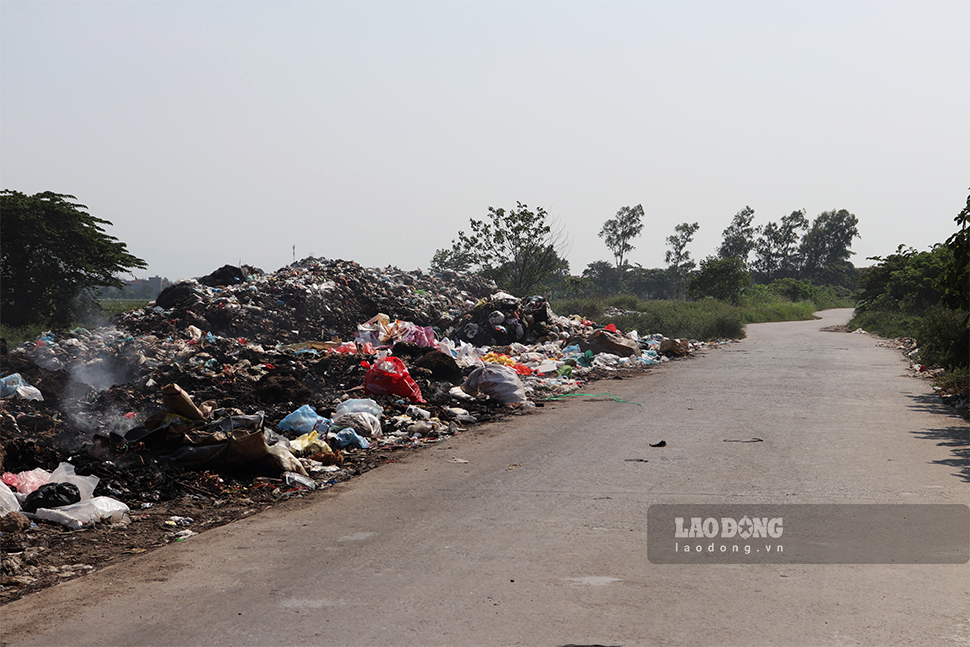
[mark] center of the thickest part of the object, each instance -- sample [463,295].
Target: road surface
[533,531]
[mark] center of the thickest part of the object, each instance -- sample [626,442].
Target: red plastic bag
[612,328]
[390,376]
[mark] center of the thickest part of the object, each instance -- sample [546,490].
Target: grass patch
[705,319]
[112,307]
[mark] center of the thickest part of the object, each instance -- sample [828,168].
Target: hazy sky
[214,132]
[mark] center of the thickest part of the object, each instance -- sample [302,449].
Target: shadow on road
[955,436]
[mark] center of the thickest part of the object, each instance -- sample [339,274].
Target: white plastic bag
[8,502]
[65,474]
[496,381]
[100,508]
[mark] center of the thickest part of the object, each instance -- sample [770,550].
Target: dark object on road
[636,460]
[736,440]
[662,443]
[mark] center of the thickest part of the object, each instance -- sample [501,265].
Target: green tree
[679,262]
[723,279]
[518,248]
[52,255]
[954,280]
[650,283]
[738,238]
[617,232]
[776,249]
[604,278]
[825,249]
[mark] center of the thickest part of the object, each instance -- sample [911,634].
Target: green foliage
[943,337]
[604,278]
[825,250]
[702,320]
[719,278]
[922,295]
[679,262]
[738,238]
[617,232]
[954,280]
[953,382]
[776,250]
[822,296]
[589,307]
[53,254]
[518,249]
[905,281]
[705,319]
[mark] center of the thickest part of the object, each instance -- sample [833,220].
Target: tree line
[524,251]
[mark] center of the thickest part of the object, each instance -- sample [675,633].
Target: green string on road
[590,395]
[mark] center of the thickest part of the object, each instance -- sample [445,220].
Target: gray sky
[210,132]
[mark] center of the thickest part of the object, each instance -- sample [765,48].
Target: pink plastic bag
[27,482]
[390,376]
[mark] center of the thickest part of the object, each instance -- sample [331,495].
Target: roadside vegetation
[708,318]
[926,296]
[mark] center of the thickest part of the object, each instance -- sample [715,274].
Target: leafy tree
[954,280]
[825,250]
[738,238]
[52,255]
[678,259]
[905,281]
[604,278]
[451,259]
[620,230]
[721,278]
[518,248]
[651,283]
[776,250]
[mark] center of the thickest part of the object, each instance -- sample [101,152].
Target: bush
[944,338]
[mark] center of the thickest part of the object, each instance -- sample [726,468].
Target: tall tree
[518,248]
[618,231]
[723,279]
[776,250]
[53,252]
[679,262]
[738,237]
[604,278]
[825,249]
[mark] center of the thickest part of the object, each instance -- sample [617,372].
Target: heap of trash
[296,379]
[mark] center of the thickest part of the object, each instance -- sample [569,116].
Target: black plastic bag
[51,495]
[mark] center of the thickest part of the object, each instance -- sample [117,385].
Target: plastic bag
[8,502]
[308,443]
[100,508]
[27,482]
[360,421]
[389,376]
[348,438]
[15,385]
[304,420]
[498,382]
[85,484]
[52,495]
[358,405]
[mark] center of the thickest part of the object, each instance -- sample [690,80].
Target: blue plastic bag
[347,438]
[305,420]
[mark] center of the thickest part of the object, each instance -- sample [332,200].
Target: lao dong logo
[728,528]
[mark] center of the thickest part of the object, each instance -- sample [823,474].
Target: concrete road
[540,537]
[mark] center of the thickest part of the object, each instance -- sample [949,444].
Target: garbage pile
[259,386]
